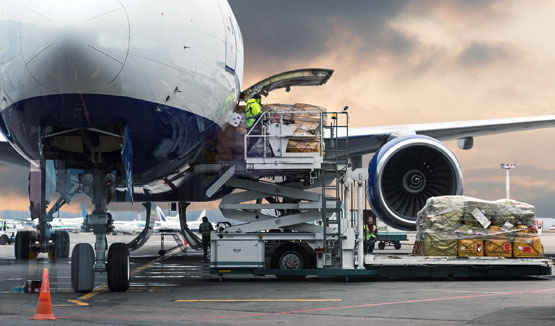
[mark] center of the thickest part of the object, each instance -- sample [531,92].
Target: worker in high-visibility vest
[370,237]
[205,228]
[252,115]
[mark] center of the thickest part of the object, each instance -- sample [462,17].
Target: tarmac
[177,289]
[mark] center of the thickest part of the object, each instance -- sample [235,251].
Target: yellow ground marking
[78,302]
[152,289]
[104,287]
[94,292]
[262,300]
[74,303]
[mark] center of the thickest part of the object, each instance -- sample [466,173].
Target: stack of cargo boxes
[468,227]
[228,144]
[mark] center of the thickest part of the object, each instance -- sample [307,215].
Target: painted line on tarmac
[260,300]
[166,317]
[74,303]
[104,287]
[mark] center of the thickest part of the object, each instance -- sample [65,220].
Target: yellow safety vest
[253,112]
[204,229]
[367,234]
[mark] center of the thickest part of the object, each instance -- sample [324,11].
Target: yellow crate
[527,247]
[470,248]
[498,248]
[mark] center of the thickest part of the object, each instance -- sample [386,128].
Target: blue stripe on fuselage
[165,138]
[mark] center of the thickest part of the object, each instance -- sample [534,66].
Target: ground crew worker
[252,114]
[205,228]
[370,237]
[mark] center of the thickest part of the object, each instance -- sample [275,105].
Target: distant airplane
[171,223]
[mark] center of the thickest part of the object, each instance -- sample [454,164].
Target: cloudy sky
[400,62]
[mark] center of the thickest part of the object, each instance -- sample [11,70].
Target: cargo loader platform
[414,267]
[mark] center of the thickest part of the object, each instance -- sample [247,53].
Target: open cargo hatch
[301,77]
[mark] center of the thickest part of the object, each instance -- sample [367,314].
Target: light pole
[507,167]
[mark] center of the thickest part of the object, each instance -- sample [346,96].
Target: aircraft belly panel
[165,138]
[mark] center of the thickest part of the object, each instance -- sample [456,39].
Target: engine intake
[405,172]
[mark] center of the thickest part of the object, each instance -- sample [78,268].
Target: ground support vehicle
[391,239]
[296,209]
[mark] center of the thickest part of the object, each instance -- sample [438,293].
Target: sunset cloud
[400,62]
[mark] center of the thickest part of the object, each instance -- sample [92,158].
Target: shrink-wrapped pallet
[228,143]
[476,227]
[307,118]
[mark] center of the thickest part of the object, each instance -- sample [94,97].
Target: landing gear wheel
[4,240]
[162,252]
[118,267]
[82,268]
[290,257]
[61,243]
[22,241]
[66,245]
[397,245]
[381,245]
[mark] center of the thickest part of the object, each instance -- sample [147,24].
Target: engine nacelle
[405,172]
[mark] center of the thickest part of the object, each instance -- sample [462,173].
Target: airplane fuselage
[166,71]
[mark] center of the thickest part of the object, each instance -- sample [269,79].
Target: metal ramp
[180,241]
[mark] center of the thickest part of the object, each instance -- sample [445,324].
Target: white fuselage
[139,49]
[166,71]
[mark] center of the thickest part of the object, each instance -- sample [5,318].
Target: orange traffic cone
[44,308]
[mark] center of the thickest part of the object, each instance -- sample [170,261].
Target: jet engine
[405,172]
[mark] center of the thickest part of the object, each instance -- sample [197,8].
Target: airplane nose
[75,46]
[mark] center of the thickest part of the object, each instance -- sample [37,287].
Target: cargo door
[301,77]
[230,38]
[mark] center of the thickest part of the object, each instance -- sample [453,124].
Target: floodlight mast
[507,167]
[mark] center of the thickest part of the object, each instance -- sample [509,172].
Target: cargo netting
[469,227]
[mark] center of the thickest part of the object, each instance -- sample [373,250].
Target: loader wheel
[381,245]
[397,245]
[290,257]
[4,240]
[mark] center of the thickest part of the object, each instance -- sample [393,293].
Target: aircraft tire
[4,240]
[66,245]
[61,243]
[118,267]
[22,241]
[82,268]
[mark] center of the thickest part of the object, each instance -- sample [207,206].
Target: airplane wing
[369,139]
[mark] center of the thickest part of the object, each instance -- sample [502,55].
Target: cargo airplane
[117,99]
